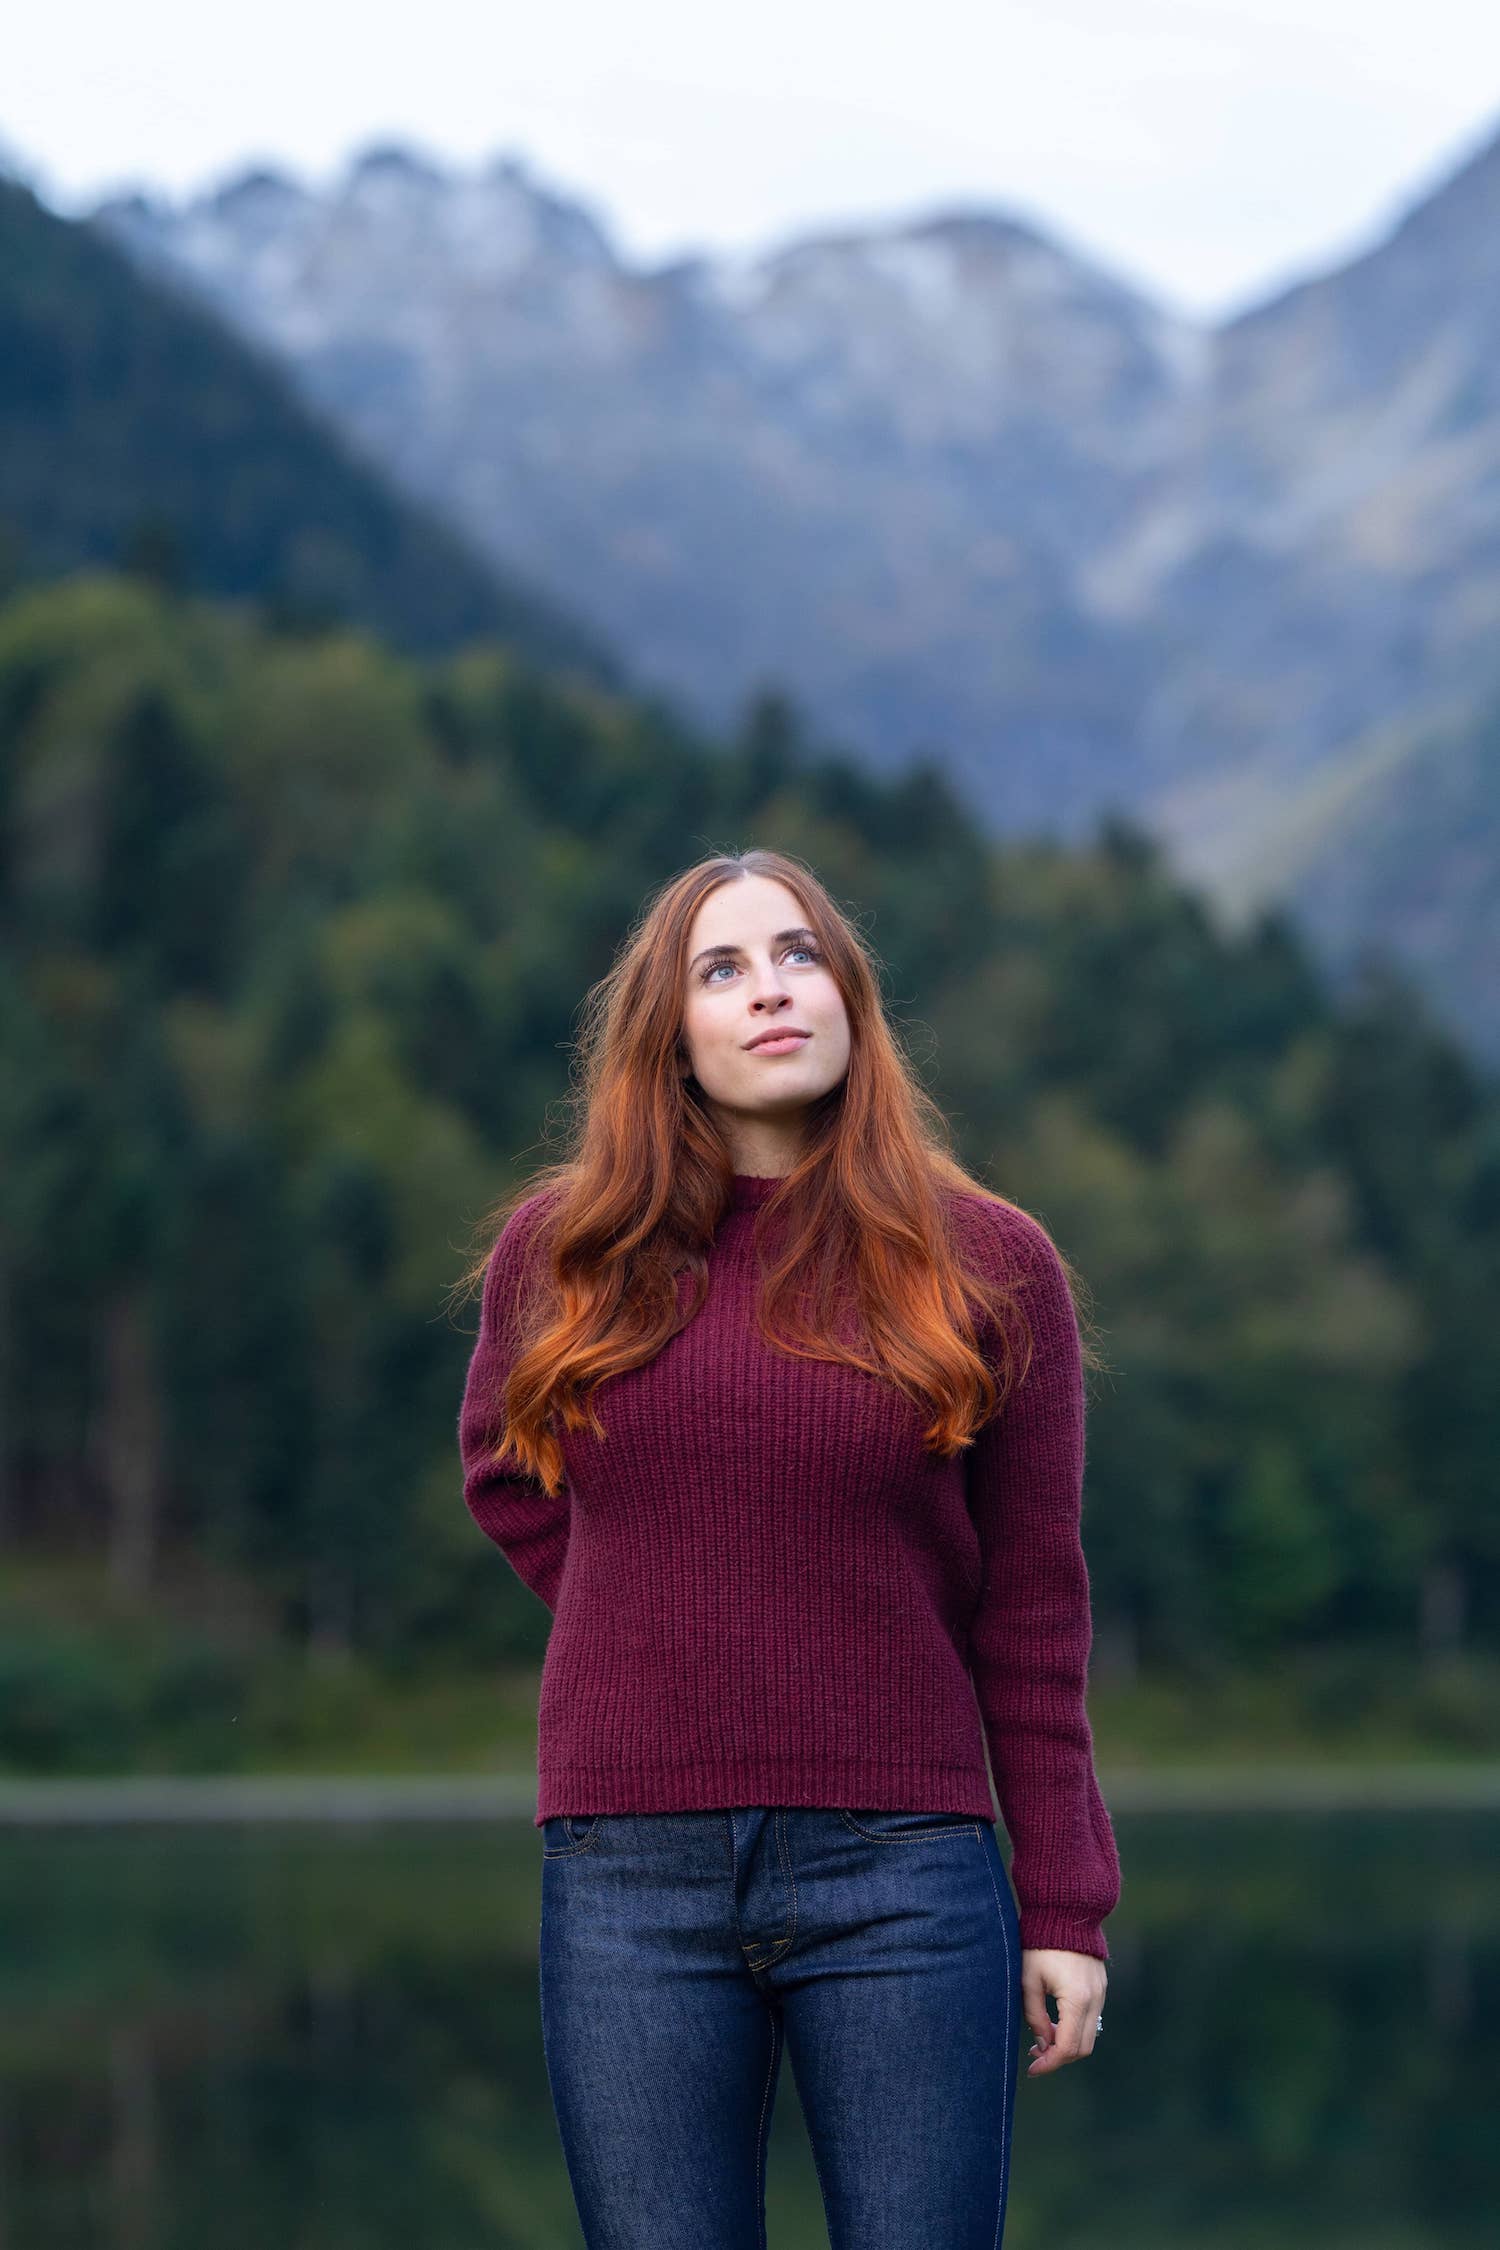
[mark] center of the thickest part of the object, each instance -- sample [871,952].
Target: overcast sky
[1209,150]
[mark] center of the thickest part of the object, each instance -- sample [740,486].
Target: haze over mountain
[960,490]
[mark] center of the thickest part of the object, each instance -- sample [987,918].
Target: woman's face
[756,973]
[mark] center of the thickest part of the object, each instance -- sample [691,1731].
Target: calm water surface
[228,2038]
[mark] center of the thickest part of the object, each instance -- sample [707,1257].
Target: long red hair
[861,1226]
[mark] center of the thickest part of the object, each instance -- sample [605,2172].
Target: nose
[771,989]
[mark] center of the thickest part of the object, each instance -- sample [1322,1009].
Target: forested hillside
[292,934]
[136,429]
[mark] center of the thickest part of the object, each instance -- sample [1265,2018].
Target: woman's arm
[511,1507]
[1029,1644]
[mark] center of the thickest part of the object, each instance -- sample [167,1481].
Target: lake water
[291,2037]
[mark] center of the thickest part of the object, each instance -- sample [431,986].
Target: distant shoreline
[85,1800]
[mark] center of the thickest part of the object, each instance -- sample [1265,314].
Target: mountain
[136,424]
[850,467]
[952,484]
[1324,543]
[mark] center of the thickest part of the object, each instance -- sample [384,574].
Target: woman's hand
[1077,1981]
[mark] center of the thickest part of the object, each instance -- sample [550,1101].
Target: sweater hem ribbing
[871,1784]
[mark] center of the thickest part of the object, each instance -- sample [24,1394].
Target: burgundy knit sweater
[765,1590]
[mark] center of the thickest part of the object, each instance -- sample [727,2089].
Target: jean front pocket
[563,1834]
[880,1827]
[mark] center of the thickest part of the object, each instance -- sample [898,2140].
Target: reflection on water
[279,2034]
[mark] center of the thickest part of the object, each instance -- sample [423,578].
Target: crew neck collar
[752,1188]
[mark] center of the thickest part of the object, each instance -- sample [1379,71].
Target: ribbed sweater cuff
[1044,1928]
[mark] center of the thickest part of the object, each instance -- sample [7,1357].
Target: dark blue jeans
[678,1951]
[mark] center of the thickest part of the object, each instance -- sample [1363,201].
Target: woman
[781,1415]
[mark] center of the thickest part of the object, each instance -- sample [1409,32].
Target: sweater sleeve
[1032,1630]
[511,1507]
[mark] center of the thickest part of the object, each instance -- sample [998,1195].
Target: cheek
[832,1017]
[704,1032]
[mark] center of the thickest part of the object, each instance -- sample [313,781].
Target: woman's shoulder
[526,1217]
[1006,1239]
[520,1235]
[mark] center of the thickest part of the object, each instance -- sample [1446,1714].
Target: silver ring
[1099,2023]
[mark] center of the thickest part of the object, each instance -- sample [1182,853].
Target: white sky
[1209,150]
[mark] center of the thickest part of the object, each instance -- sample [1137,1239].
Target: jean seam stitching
[784,1945]
[1010,2007]
[762,2133]
[910,1835]
[734,1886]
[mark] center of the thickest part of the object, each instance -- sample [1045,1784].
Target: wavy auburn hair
[861,1258]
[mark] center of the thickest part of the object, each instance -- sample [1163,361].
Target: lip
[779,1042]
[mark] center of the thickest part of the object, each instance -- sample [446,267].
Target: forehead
[749,912]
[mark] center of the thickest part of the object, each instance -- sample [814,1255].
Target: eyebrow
[782,937]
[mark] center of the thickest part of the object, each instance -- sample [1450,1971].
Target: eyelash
[799,947]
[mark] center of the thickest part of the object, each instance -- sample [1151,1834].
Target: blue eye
[707,975]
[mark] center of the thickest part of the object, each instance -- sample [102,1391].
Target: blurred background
[1044,469]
